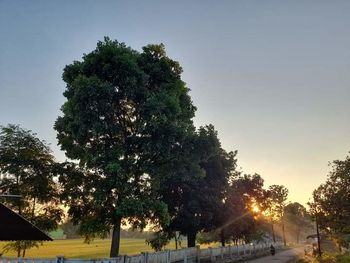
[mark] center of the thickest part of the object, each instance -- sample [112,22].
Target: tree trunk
[176,241]
[18,252]
[318,237]
[33,210]
[191,239]
[115,239]
[284,234]
[298,234]
[222,237]
[273,233]
[24,253]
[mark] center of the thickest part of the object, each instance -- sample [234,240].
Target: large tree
[125,117]
[195,191]
[29,170]
[331,205]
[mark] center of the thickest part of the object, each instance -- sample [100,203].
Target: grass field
[76,248]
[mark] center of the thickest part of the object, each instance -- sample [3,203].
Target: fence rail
[186,255]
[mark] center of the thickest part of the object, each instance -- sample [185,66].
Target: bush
[334,258]
[343,259]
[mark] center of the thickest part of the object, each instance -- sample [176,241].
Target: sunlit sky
[272,76]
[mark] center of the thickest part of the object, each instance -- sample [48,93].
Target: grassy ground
[327,258]
[76,248]
[329,254]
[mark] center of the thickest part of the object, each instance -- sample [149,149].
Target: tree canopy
[331,202]
[29,170]
[125,118]
[274,203]
[244,195]
[196,190]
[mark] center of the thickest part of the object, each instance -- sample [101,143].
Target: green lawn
[99,248]
[76,248]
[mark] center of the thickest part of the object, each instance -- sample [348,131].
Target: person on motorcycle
[272,250]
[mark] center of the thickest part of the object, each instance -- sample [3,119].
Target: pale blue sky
[272,76]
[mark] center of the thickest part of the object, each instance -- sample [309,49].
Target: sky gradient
[272,76]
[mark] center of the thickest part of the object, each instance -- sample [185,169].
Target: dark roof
[15,227]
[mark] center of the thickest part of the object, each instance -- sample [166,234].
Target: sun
[255,208]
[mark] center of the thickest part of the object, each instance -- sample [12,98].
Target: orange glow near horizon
[255,208]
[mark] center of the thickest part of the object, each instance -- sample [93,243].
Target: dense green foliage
[159,240]
[196,190]
[137,159]
[239,218]
[29,169]
[331,203]
[125,118]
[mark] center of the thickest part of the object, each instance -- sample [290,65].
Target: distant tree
[297,218]
[29,170]
[274,204]
[135,233]
[126,114]
[70,230]
[243,200]
[208,237]
[159,240]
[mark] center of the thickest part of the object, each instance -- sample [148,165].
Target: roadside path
[285,256]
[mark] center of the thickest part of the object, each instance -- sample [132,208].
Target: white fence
[186,255]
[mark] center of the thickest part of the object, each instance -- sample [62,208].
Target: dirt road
[286,256]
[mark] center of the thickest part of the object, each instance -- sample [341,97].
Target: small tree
[29,170]
[70,230]
[159,240]
[274,204]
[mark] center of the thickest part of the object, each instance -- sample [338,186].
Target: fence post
[198,254]
[185,255]
[229,251]
[144,257]
[59,259]
[168,256]
[212,258]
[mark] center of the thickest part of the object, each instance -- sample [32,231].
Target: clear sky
[272,76]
